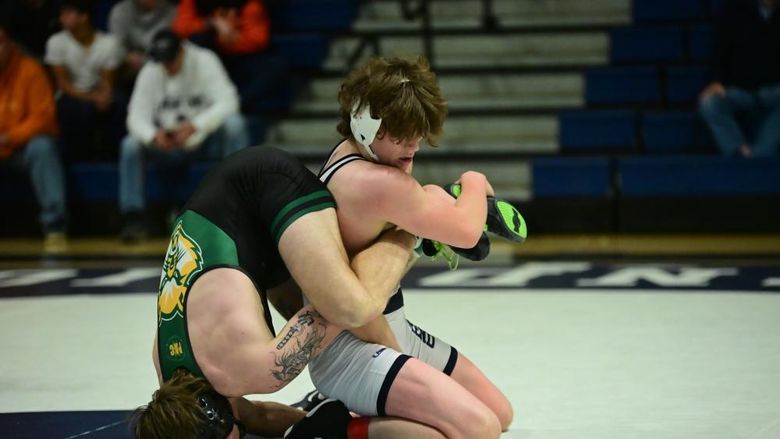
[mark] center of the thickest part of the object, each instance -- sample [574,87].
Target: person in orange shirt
[239,31]
[28,128]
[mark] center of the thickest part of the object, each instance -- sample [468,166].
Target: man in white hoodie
[183,108]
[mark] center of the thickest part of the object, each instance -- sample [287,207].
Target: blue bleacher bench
[684,84]
[314,15]
[645,11]
[622,85]
[592,130]
[698,176]
[675,132]
[646,44]
[566,177]
[700,42]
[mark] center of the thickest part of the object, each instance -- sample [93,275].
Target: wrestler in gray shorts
[360,374]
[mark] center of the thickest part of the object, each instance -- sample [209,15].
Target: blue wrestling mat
[68,425]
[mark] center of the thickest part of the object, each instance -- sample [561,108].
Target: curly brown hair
[402,91]
[174,412]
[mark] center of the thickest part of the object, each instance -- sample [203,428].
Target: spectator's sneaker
[311,400]
[54,237]
[328,420]
[134,229]
[55,242]
[505,220]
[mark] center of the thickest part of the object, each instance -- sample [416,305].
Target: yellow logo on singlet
[182,261]
[175,349]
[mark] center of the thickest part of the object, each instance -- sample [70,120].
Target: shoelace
[453,259]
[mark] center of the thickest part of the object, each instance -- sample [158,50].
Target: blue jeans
[230,137]
[40,158]
[739,112]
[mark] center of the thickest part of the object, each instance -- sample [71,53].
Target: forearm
[381,266]
[267,419]
[378,331]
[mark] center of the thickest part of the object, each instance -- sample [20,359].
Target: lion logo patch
[182,261]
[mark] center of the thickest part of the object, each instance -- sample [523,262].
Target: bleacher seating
[565,177]
[683,84]
[582,131]
[314,15]
[697,176]
[700,40]
[653,11]
[622,85]
[646,44]
[633,132]
[676,132]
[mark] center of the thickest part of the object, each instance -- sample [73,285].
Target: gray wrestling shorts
[360,374]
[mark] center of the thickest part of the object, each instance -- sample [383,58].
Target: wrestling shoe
[434,249]
[503,219]
[477,253]
[328,420]
[311,400]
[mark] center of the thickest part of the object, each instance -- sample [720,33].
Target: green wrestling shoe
[503,219]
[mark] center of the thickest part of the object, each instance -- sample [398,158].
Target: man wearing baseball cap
[183,108]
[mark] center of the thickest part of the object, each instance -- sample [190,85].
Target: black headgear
[217,416]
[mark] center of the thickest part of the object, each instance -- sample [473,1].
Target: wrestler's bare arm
[267,419]
[346,294]
[286,298]
[397,198]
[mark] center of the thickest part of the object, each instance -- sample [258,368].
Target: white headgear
[364,128]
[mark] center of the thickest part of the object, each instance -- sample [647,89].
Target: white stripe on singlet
[328,171]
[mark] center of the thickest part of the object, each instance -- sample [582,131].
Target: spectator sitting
[239,31]
[27,129]
[183,108]
[134,23]
[745,93]
[83,61]
[32,23]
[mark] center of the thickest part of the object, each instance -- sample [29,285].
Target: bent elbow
[468,237]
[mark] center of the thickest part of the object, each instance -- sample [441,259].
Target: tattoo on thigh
[292,361]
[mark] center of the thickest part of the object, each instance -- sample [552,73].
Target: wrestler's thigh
[423,394]
[355,372]
[468,375]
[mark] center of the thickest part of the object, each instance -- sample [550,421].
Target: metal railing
[414,10]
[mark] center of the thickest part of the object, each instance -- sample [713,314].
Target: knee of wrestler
[480,423]
[505,415]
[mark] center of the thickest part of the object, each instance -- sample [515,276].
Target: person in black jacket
[741,105]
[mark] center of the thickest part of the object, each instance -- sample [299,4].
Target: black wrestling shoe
[328,420]
[311,400]
[477,253]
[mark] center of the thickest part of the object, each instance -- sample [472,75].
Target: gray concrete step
[467,14]
[470,92]
[513,50]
